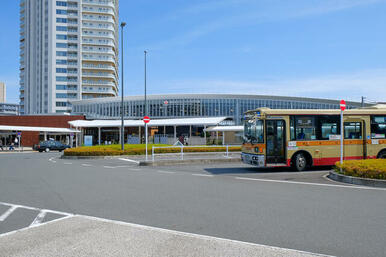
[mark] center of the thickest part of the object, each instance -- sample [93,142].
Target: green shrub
[110,150]
[372,168]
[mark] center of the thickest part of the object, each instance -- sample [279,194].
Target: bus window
[353,130]
[254,132]
[302,128]
[378,127]
[329,127]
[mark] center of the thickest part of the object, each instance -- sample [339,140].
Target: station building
[172,106]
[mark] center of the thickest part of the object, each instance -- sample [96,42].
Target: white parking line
[67,163]
[128,160]
[116,167]
[8,212]
[86,165]
[309,183]
[165,172]
[202,175]
[38,218]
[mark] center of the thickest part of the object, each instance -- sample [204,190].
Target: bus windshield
[253,131]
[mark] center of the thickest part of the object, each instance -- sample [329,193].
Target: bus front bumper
[253,159]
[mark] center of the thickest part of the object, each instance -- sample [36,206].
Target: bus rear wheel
[300,162]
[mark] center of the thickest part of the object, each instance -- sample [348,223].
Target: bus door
[354,139]
[275,134]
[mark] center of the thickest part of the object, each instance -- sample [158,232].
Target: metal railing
[182,153]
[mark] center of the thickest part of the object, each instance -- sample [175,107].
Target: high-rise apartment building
[2,92]
[68,51]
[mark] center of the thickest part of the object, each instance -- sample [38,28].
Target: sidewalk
[22,149]
[87,236]
[170,159]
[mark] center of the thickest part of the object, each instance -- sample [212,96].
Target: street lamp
[123,24]
[146,139]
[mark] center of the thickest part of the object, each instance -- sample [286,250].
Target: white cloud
[369,83]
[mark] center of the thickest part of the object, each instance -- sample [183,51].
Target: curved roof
[209,96]
[212,121]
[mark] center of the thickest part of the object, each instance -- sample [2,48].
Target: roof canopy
[40,129]
[213,121]
[225,129]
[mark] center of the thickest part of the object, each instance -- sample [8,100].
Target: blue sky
[313,48]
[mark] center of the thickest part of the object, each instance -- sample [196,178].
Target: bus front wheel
[382,155]
[300,162]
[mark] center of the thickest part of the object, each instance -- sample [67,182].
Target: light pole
[146,136]
[123,24]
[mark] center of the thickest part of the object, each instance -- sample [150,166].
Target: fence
[181,153]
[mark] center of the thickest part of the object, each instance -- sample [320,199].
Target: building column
[164,130]
[216,137]
[223,138]
[99,136]
[45,136]
[190,131]
[120,134]
[139,134]
[175,132]
[205,133]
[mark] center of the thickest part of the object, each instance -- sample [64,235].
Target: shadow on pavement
[254,170]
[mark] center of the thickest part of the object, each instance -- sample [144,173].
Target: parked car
[51,145]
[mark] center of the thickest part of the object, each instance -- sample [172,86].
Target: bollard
[182,152]
[152,153]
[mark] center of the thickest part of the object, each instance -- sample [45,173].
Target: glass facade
[190,106]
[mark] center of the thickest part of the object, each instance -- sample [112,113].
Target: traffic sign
[342,105]
[146,119]
[166,102]
[19,134]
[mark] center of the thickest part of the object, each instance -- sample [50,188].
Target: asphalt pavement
[276,207]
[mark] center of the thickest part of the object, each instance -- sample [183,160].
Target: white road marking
[128,160]
[38,225]
[165,172]
[38,218]
[134,169]
[309,183]
[116,167]
[202,175]
[52,159]
[67,163]
[86,165]
[8,212]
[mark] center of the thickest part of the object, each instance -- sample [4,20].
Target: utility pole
[363,101]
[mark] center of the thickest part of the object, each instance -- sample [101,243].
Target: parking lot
[276,207]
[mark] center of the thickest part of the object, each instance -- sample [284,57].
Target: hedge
[372,168]
[111,150]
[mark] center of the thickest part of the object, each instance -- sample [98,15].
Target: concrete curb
[84,157]
[356,180]
[191,161]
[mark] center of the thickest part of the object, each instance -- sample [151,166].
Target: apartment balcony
[99,59]
[97,43]
[21,96]
[98,90]
[99,75]
[104,3]
[98,83]
[98,67]
[21,88]
[97,51]
[72,56]
[95,10]
[93,26]
[94,18]
[98,36]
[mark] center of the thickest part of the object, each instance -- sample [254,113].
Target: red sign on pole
[146,119]
[342,105]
